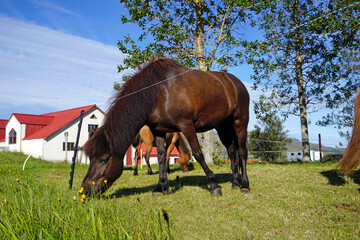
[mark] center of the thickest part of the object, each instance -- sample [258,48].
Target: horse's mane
[351,157]
[133,103]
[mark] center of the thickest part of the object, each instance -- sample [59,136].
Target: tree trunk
[208,147]
[300,84]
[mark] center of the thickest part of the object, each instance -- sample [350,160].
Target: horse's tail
[351,157]
[137,140]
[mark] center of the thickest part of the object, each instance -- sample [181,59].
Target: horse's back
[204,99]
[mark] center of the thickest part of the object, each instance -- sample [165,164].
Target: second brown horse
[174,139]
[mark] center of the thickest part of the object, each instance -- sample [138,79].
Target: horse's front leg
[163,184]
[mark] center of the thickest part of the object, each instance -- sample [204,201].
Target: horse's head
[183,160]
[105,167]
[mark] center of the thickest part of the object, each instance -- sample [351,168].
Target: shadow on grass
[337,179]
[174,185]
[173,169]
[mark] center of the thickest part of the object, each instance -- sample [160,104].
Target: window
[12,137]
[70,146]
[292,154]
[92,126]
[299,153]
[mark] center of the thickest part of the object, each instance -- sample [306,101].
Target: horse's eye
[104,160]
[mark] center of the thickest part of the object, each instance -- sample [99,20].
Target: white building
[50,136]
[294,156]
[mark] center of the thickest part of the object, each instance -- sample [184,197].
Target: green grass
[287,201]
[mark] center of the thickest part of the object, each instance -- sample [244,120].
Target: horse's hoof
[216,192]
[245,190]
[235,187]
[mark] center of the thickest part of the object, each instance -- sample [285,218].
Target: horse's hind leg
[235,143]
[229,140]
[190,135]
[147,157]
[170,144]
[241,134]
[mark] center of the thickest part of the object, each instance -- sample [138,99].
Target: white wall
[315,155]
[13,123]
[33,147]
[294,156]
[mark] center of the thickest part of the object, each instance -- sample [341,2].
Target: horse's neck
[183,144]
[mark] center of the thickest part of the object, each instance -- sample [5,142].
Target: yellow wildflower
[83,200]
[105,181]
[93,183]
[18,180]
[83,196]
[81,190]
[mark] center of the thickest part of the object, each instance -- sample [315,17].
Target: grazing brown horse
[351,157]
[174,139]
[171,98]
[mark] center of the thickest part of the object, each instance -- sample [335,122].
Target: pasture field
[287,201]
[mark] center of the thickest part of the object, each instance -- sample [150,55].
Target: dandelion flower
[59,199]
[18,180]
[81,190]
[93,183]
[6,202]
[82,198]
[105,181]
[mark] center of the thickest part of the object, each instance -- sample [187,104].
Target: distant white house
[49,136]
[294,156]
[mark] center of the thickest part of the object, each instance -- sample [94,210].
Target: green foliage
[332,157]
[219,157]
[268,141]
[327,36]
[170,29]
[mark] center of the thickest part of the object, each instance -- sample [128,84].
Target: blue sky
[60,54]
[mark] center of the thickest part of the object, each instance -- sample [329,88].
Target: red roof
[153,153]
[33,119]
[49,123]
[2,129]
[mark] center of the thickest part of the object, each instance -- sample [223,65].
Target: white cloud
[53,6]
[40,66]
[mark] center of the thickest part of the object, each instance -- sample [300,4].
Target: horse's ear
[107,137]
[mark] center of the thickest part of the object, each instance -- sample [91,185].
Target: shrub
[332,157]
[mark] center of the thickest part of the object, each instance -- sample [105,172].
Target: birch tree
[203,34]
[302,59]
